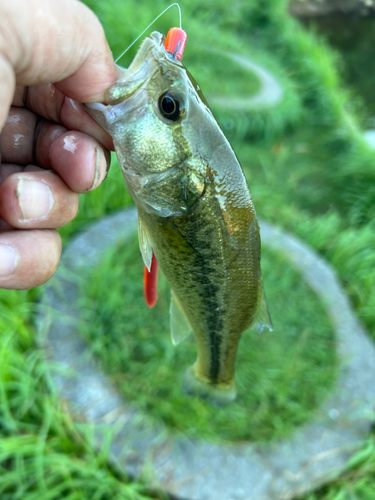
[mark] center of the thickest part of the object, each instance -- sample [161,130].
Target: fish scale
[194,207]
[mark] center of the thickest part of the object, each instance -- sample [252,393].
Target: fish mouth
[130,83]
[148,62]
[141,69]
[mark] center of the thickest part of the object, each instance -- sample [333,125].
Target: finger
[50,103]
[4,226]
[28,258]
[75,117]
[79,160]
[57,41]
[19,96]
[7,86]
[7,169]
[30,200]
[17,137]
[45,100]
[46,133]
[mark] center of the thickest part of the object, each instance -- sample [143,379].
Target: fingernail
[101,167]
[35,199]
[8,260]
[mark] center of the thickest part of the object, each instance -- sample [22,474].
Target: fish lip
[131,110]
[151,59]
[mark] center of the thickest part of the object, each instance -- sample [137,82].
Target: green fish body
[195,210]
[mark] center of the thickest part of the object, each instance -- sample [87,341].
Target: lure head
[156,116]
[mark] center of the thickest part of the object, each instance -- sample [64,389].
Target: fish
[195,211]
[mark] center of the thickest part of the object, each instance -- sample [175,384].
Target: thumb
[49,41]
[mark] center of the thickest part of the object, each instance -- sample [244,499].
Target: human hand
[50,148]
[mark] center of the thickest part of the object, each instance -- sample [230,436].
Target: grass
[309,171]
[134,346]
[43,454]
[205,64]
[355,41]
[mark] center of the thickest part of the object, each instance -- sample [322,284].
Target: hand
[50,148]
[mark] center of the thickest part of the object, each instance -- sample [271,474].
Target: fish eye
[169,106]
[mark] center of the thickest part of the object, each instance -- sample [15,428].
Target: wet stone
[199,470]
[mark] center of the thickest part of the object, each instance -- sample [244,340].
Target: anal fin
[180,327]
[262,319]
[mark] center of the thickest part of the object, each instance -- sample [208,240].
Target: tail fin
[216,394]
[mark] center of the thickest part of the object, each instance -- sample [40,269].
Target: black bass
[194,207]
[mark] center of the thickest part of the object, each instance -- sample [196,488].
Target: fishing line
[156,18]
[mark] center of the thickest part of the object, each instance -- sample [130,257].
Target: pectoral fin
[180,327]
[262,317]
[144,244]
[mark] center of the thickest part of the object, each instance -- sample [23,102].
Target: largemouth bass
[194,207]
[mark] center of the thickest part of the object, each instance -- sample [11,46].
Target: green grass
[309,171]
[354,37]
[208,64]
[43,454]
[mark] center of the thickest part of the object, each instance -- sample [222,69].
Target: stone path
[270,92]
[199,470]
[370,138]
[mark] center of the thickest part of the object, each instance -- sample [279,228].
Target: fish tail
[219,394]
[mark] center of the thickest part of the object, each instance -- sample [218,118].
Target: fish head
[159,121]
[147,108]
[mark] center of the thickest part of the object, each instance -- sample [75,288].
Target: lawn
[309,171]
